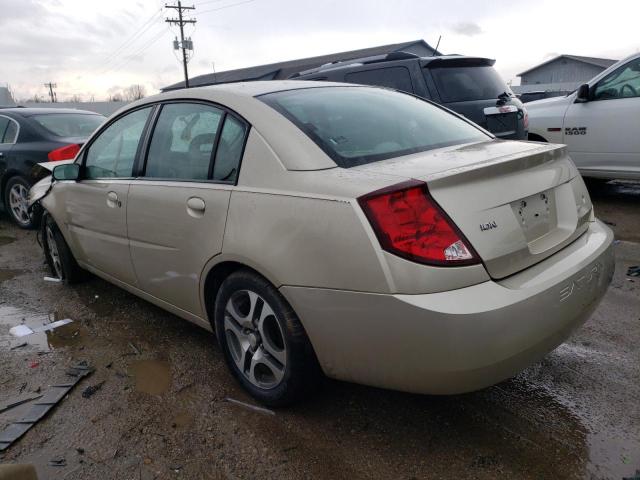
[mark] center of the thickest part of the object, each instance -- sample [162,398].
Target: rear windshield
[69,124]
[463,84]
[360,125]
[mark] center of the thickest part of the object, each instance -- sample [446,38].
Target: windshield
[69,124]
[359,125]
[464,84]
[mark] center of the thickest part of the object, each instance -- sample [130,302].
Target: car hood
[547,102]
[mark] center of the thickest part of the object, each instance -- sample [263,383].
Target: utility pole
[183,45]
[52,94]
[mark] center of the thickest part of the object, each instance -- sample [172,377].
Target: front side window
[398,78]
[69,125]
[623,82]
[360,125]
[183,141]
[113,152]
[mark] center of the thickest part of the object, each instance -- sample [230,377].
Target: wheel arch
[216,271]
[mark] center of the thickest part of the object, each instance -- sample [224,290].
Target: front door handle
[195,206]
[113,201]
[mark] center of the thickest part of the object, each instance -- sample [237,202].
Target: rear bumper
[461,340]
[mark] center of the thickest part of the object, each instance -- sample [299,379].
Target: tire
[58,255]
[15,201]
[263,341]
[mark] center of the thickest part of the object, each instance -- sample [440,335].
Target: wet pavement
[159,408]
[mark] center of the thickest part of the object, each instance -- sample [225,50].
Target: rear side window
[69,124]
[230,148]
[114,150]
[360,125]
[464,84]
[398,78]
[11,133]
[183,141]
[4,123]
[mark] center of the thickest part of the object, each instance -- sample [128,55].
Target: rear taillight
[68,152]
[409,223]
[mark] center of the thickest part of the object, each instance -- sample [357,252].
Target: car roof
[30,111]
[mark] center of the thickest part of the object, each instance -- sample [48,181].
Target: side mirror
[69,171]
[583,93]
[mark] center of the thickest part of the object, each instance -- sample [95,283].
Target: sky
[93,49]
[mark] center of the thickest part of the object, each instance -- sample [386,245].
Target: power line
[226,6]
[121,64]
[132,38]
[183,45]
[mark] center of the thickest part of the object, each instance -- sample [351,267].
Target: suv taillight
[68,152]
[409,223]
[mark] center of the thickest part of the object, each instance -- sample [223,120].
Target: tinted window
[69,124]
[392,77]
[623,82]
[229,150]
[4,122]
[183,140]
[359,125]
[113,152]
[463,84]
[11,132]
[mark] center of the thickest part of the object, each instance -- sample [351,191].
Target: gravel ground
[159,409]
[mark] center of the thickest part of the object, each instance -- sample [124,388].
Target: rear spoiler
[453,61]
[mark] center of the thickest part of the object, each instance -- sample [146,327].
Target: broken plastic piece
[40,408]
[633,271]
[52,279]
[251,407]
[8,405]
[23,330]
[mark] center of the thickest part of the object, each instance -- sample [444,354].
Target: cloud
[469,29]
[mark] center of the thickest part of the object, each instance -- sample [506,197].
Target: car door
[96,204]
[178,205]
[603,134]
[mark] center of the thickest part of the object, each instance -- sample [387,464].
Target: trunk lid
[516,202]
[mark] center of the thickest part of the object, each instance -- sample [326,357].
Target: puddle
[152,376]
[68,335]
[6,240]
[8,273]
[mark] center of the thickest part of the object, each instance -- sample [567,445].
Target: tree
[134,92]
[75,99]
[115,97]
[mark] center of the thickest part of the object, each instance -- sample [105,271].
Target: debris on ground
[136,350]
[23,330]
[58,462]
[91,389]
[34,364]
[255,408]
[42,406]
[52,279]
[19,345]
[612,224]
[9,404]
[633,271]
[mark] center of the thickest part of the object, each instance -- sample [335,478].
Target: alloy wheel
[255,339]
[18,203]
[53,252]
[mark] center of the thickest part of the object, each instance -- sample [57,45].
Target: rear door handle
[113,201]
[195,206]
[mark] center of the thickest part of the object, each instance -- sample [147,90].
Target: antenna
[437,45]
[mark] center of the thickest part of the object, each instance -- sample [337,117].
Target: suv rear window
[463,84]
[392,77]
[69,124]
[360,125]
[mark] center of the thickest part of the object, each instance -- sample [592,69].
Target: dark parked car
[29,136]
[469,86]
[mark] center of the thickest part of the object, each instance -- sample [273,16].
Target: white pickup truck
[599,122]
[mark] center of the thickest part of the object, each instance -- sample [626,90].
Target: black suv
[469,86]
